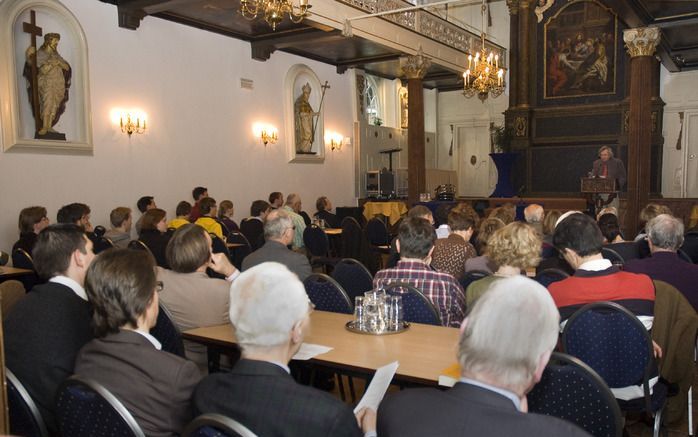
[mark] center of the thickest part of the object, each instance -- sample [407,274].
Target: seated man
[144,204]
[253,226]
[182,215]
[278,233]
[192,297]
[451,253]
[197,193]
[293,209]
[154,386]
[665,237]
[534,215]
[324,208]
[415,244]
[270,314]
[78,214]
[276,200]
[419,211]
[501,358]
[208,210]
[120,233]
[46,328]
[32,220]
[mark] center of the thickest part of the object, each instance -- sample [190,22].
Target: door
[475,168]
[691,147]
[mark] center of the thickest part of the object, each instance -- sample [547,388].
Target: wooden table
[12,272]
[423,351]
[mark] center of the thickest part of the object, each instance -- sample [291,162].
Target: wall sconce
[267,133]
[336,140]
[129,127]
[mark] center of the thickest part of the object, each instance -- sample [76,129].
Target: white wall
[199,128]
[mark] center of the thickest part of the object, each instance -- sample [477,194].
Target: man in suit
[47,327]
[278,233]
[270,311]
[505,344]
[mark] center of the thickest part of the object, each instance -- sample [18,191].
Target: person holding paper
[270,312]
[501,358]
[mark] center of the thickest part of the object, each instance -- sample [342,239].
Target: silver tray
[350,326]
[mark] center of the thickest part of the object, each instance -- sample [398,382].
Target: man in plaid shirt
[415,243]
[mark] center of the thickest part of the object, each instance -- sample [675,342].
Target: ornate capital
[513,6]
[641,41]
[415,67]
[524,4]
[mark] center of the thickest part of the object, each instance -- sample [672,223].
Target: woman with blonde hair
[514,248]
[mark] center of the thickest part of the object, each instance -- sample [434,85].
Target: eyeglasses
[159,286]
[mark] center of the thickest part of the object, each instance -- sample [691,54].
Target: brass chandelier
[273,11]
[483,76]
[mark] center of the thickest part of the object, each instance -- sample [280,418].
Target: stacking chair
[25,419]
[378,236]
[353,276]
[684,256]
[167,332]
[613,342]
[612,255]
[351,238]
[472,276]
[22,260]
[216,425]
[10,293]
[573,391]
[102,243]
[318,246]
[690,245]
[138,245]
[239,253]
[627,250]
[4,258]
[85,408]
[416,306]
[327,295]
[547,276]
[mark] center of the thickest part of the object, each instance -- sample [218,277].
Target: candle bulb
[470,60]
[496,61]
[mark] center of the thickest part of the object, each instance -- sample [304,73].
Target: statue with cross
[48,76]
[306,119]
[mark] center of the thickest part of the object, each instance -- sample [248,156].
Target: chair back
[690,245]
[684,256]
[25,418]
[547,276]
[416,306]
[472,276]
[22,260]
[253,230]
[627,249]
[612,255]
[216,425]
[167,332]
[4,258]
[573,391]
[10,292]
[85,408]
[351,238]
[102,243]
[327,295]
[377,232]
[239,253]
[138,245]
[316,241]
[353,276]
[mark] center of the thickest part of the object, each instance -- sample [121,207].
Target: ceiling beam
[263,46]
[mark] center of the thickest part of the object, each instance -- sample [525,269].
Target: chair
[4,258]
[167,332]
[612,255]
[101,243]
[627,250]
[25,419]
[238,253]
[216,425]
[10,292]
[417,307]
[690,245]
[253,230]
[547,276]
[138,245]
[378,236]
[684,256]
[471,277]
[85,408]
[327,294]
[351,238]
[22,260]
[318,246]
[572,391]
[353,276]
[613,342]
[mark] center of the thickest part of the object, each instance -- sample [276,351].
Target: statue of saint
[304,121]
[52,82]
[403,107]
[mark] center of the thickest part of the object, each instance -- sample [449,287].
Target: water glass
[374,311]
[359,318]
[395,313]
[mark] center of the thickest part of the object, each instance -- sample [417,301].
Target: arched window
[373,112]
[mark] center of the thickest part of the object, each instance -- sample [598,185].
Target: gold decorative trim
[641,41]
[415,67]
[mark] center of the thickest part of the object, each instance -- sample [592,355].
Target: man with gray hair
[293,208]
[278,234]
[501,358]
[534,214]
[665,237]
[270,314]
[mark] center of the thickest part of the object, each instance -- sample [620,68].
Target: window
[373,113]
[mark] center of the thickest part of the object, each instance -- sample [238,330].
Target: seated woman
[154,386]
[610,228]
[483,262]
[451,253]
[514,248]
[324,206]
[226,210]
[154,234]
[183,210]
[32,220]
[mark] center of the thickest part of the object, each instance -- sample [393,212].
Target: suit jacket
[277,252]
[616,170]
[464,410]
[266,399]
[155,386]
[43,333]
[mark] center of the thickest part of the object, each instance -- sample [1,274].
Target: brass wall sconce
[336,141]
[267,133]
[128,126]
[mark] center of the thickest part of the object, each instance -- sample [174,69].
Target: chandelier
[274,10]
[483,76]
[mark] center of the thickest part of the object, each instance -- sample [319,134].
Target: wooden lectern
[593,188]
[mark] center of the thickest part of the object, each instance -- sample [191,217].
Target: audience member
[415,243]
[417,211]
[665,237]
[278,233]
[208,210]
[514,249]
[32,220]
[253,226]
[441,218]
[505,213]
[226,211]
[144,204]
[607,210]
[197,193]
[549,225]
[270,311]
[182,215]
[534,214]
[610,229]
[276,200]
[293,208]
[76,213]
[45,329]
[451,253]
[650,211]
[324,208]
[120,233]
[155,387]
[154,234]
[501,358]
[482,262]
[467,209]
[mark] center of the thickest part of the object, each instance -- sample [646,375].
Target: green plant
[377,121]
[501,138]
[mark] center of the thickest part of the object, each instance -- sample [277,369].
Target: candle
[496,61]
[304,2]
[470,60]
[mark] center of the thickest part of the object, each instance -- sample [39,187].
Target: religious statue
[403,107]
[304,121]
[48,76]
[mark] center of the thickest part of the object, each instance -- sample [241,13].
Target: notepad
[309,350]
[450,375]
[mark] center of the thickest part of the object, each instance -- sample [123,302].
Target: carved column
[513,50]
[641,44]
[524,65]
[414,68]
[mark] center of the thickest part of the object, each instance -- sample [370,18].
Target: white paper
[309,350]
[379,385]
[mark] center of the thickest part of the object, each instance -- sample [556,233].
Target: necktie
[604,170]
